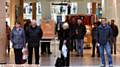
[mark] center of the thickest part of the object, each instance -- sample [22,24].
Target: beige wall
[2,32]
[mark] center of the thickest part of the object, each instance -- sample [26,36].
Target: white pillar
[45,6]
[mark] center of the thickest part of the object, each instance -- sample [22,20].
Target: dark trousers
[36,50]
[113,45]
[18,56]
[45,47]
[94,47]
[67,59]
[72,44]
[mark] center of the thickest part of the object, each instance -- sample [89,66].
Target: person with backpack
[104,35]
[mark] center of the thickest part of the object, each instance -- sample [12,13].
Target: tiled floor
[87,60]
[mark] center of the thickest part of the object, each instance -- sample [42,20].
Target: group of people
[103,35]
[20,36]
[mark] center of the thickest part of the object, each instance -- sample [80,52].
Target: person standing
[94,40]
[114,38]
[33,38]
[104,35]
[80,33]
[8,31]
[18,40]
[65,35]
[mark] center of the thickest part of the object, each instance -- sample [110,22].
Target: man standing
[94,40]
[34,35]
[114,38]
[80,32]
[103,38]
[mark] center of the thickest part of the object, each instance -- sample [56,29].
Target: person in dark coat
[8,31]
[18,40]
[34,36]
[114,38]
[80,33]
[65,37]
[94,40]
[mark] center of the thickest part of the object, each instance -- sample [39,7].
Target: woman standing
[18,40]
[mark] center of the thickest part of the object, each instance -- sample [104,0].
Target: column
[19,11]
[12,13]
[94,8]
[2,32]
[45,5]
[34,10]
[82,7]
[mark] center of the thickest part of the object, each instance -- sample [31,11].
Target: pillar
[34,10]
[19,11]
[12,13]
[45,6]
[94,8]
[2,32]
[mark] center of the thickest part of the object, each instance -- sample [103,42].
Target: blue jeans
[79,46]
[108,51]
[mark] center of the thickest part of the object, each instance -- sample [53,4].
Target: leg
[43,47]
[48,47]
[93,49]
[111,45]
[101,48]
[108,51]
[78,46]
[18,56]
[30,50]
[114,43]
[36,55]
[81,47]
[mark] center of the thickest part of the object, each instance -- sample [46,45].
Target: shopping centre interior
[48,13]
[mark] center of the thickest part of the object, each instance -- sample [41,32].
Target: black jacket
[34,35]
[81,29]
[115,30]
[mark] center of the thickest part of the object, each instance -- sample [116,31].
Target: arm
[24,39]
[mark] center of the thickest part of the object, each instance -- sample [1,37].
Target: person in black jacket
[34,36]
[80,32]
[114,38]
[65,37]
[94,40]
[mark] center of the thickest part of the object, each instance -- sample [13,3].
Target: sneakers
[102,65]
[110,65]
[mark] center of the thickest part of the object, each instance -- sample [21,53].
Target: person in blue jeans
[80,32]
[103,38]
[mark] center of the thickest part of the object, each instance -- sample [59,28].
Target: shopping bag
[64,50]
[25,53]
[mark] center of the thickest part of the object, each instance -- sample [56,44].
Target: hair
[17,22]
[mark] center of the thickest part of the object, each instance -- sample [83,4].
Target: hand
[65,41]
[98,44]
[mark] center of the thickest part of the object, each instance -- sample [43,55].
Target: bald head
[33,23]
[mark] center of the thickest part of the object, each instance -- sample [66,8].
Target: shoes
[110,65]
[93,56]
[102,65]
[77,55]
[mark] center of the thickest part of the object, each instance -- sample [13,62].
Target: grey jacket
[18,38]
